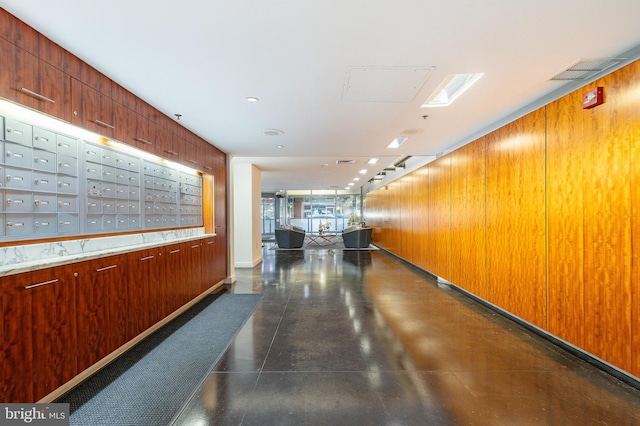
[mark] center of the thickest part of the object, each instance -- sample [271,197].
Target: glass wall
[268,214]
[333,209]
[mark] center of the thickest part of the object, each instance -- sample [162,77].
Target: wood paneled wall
[468,235]
[541,217]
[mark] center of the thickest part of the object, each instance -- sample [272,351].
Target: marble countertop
[31,257]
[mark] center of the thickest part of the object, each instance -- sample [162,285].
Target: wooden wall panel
[635,226]
[439,258]
[406,212]
[516,279]
[608,131]
[468,257]
[565,218]
[420,223]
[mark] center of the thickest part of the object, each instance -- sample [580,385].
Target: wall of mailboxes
[53,184]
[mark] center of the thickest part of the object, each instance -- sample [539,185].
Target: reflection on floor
[358,338]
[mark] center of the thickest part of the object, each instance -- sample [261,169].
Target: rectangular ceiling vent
[339,162]
[586,69]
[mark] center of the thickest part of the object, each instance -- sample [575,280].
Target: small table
[321,239]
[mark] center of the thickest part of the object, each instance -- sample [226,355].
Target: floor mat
[149,384]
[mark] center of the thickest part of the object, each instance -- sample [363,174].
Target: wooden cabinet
[95,111]
[34,83]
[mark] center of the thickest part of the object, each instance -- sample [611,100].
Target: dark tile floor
[359,338]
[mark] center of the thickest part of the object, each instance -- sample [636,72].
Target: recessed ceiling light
[453,86]
[252,99]
[374,160]
[363,171]
[279,146]
[397,142]
[351,184]
[356,179]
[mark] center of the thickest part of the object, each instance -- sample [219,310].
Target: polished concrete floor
[359,338]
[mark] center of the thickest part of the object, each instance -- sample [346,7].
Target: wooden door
[16,336]
[101,309]
[52,297]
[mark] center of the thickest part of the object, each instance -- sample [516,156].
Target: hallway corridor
[359,338]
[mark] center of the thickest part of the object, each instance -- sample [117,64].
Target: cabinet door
[101,309]
[34,83]
[174,259]
[210,274]
[144,290]
[140,132]
[194,270]
[16,334]
[52,294]
[93,110]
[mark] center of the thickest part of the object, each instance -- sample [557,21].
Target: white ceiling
[307,62]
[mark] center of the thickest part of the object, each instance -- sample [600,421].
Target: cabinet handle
[106,268]
[174,251]
[144,141]
[171,152]
[39,284]
[37,95]
[192,161]
[196,246]
[103,124]
[209,242]
[207,167]
[146,258]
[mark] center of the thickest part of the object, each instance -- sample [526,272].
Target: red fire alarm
[592,98]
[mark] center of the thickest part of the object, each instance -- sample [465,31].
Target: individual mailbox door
[122,176]
[122,192]
[134,179]
[94,171]
[108,173]
[108,190]
[134,207]
[18,224]
[44,139]
[17,178]
[18,201]
[109,222]
[108,157]
[122,206]
[68,223]
[44,160]
[67,146]
[67,184]
[44,181]
[45,203]
[18,155]
[108,205]
[67,165]
[67,204]
[93,154]
[122,222]
[134,222]
[18,132]
[94,223]
[94,205]
[45,223]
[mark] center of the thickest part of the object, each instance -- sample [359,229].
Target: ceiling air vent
[586,69]
[273,132]
[339,162]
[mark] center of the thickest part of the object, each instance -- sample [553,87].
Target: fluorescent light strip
[450,89]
